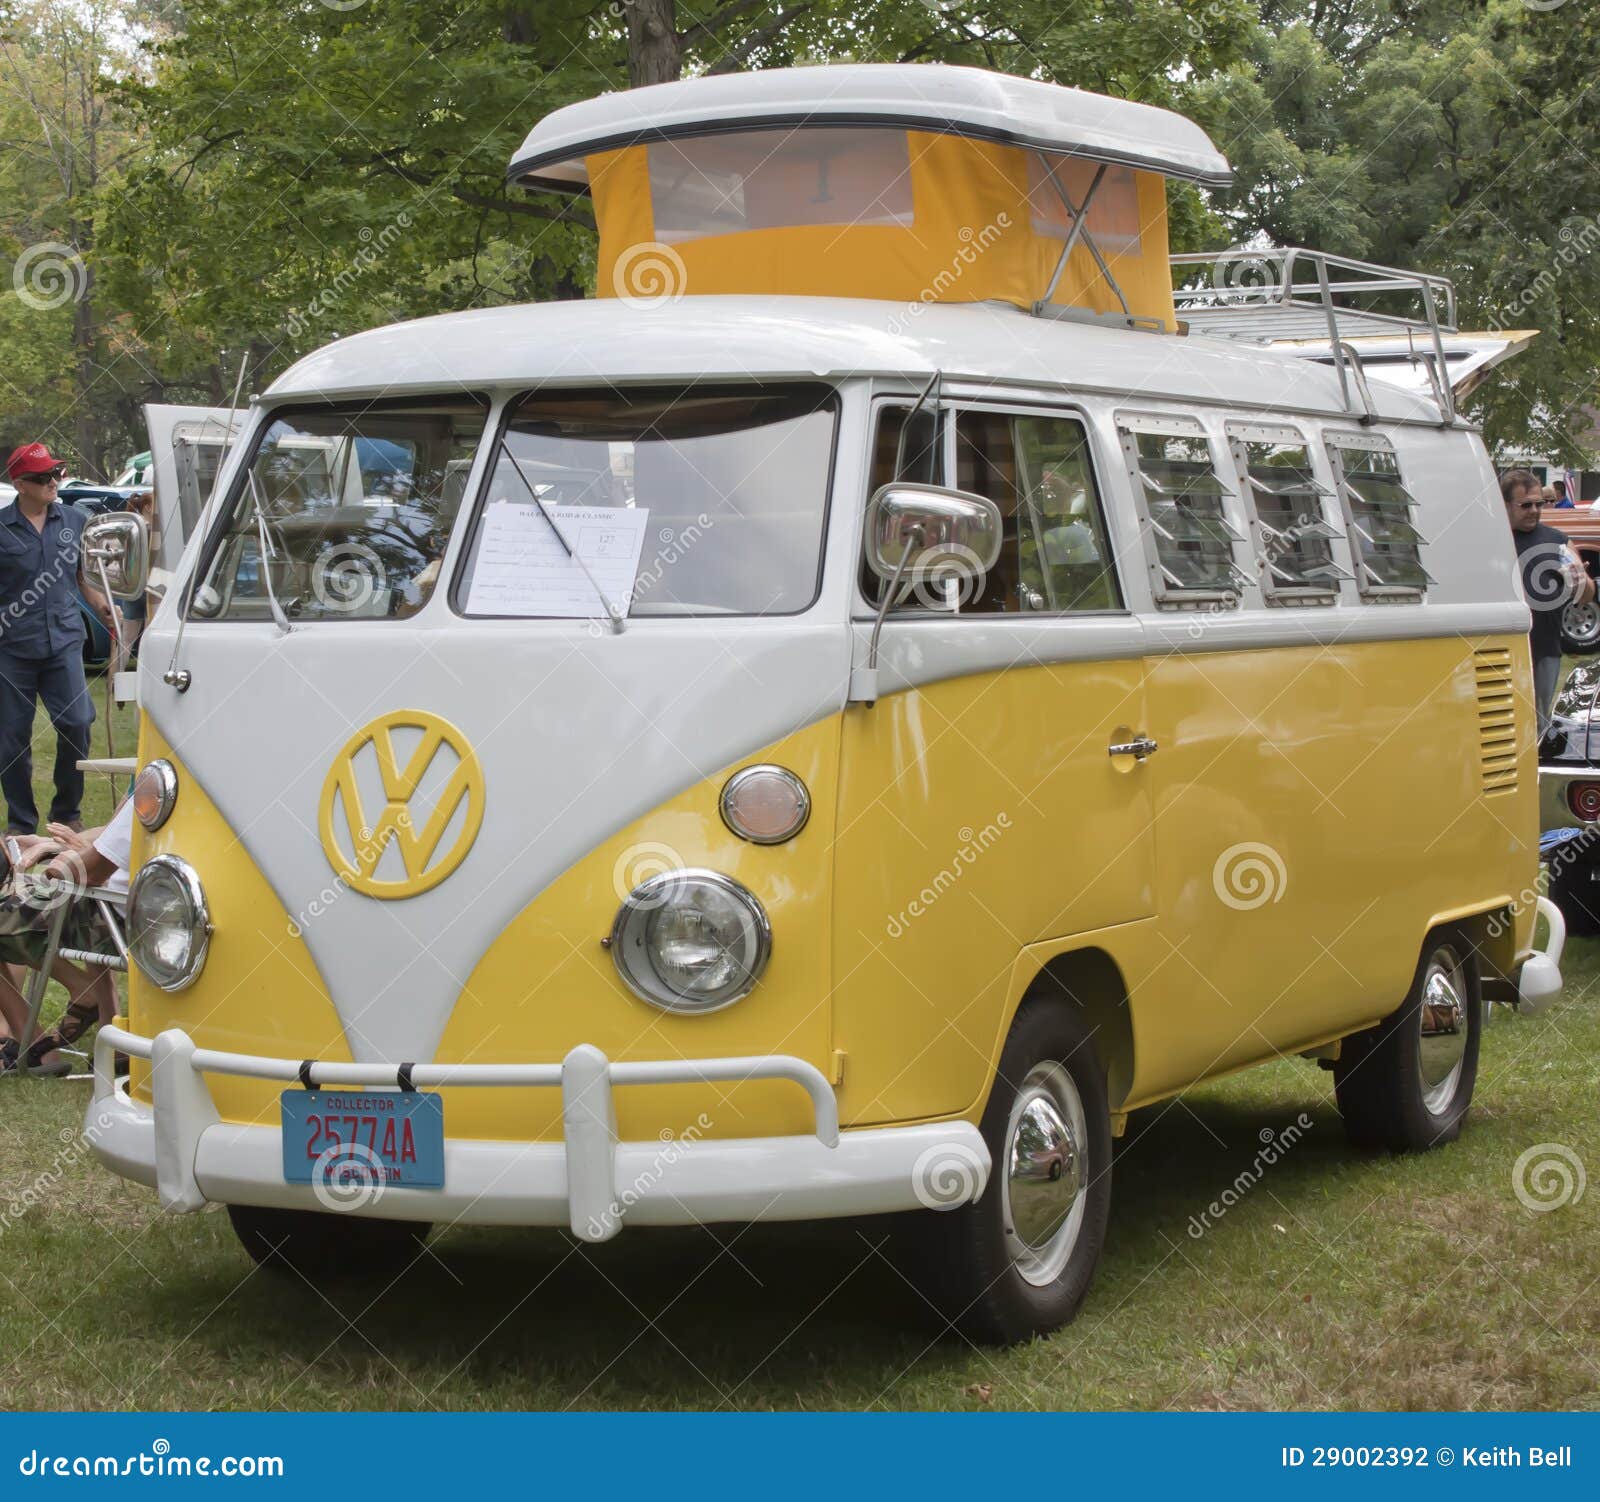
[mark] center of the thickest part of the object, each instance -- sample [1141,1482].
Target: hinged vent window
[1184,505]
[1295,537]
[1380,513]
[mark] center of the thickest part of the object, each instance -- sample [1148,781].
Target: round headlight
[154,793]
[691,941]
[168,925]
[765,805]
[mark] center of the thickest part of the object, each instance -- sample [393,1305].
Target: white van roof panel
[611,341]
[911,96]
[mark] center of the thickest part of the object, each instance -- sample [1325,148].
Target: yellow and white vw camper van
[831,725]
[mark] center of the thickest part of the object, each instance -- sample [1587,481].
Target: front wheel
[1406,1084]
[326,1246]
[1019,1261]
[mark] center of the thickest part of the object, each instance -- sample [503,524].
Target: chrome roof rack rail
[1272,295]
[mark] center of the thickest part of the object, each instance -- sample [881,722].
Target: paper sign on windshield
[522,568]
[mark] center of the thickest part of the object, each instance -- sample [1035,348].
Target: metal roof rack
[1264,296]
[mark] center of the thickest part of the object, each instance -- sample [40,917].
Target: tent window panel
[779,179]
[1185,514]
[1113,219]
[1296,537]
[1380,511]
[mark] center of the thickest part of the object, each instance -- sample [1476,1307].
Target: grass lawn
[1339,1281]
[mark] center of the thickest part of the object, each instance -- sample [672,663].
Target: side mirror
[916,532]
[116,553]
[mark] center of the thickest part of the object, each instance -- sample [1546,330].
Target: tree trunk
[654,53]
[85,431]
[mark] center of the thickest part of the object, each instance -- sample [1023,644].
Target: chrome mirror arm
[864,681]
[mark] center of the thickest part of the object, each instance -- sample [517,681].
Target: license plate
[354,1139]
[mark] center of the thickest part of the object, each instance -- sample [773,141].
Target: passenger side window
[1378,511]
[1055,555]
[1183,502]
[1294,536]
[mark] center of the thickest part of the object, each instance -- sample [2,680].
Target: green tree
[1448,137]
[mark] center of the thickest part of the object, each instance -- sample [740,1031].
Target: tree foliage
[268,174]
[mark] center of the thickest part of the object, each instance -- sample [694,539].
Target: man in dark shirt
[1552,579]
[41,638]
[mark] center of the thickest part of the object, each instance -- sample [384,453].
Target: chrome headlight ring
[182,883]
[641,940]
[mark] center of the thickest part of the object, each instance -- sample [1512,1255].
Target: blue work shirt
[39,615]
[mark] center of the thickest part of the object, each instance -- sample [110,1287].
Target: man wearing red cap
[41,637]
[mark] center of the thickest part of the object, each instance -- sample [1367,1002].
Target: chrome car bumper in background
[591,1182]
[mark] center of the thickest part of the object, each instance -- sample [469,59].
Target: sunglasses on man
[49,477]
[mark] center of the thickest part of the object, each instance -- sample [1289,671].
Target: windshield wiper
[619,621]
[268,555]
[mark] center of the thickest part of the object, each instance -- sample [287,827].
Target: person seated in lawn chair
[92,858]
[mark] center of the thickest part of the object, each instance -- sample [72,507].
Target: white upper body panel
[615,342]
[914,96]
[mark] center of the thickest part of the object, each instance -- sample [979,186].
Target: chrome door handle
[1140,747]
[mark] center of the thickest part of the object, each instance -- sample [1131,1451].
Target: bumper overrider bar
[591,1181]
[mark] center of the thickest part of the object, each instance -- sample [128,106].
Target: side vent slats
[1497,720]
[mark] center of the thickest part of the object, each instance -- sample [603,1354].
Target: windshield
[734,487]
[355,505]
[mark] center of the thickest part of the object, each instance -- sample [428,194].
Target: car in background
[1569,799]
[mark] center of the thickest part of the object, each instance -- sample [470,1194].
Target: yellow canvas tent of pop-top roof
[910,182]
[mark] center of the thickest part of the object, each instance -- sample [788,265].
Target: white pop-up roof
[968,102]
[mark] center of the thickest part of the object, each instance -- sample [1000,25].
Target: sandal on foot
[75,1022]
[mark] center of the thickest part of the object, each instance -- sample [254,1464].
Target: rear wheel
[1406,1084]
[326,1246]
[1019,1261]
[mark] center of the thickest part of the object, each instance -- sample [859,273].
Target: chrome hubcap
[1443,1021]
[1046,1173]
[1581,622]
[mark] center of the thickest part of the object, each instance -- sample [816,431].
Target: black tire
[1575,887]
[968,1266]
[1384,1096]
[1580,629]
[326,1246]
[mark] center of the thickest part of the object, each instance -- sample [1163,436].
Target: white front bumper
[590,1182]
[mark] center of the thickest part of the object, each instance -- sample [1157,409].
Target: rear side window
[1189,541]
[1380,514]
[1288,504]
